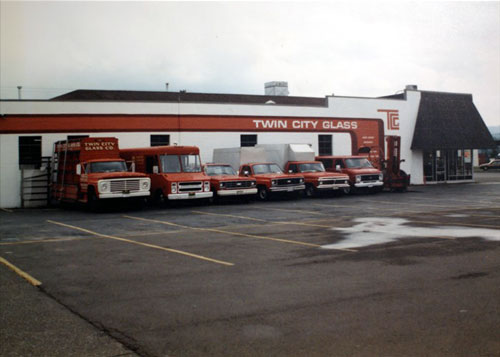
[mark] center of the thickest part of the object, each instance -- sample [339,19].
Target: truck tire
[262,193]
[159,198]
[310,191]
[92,201]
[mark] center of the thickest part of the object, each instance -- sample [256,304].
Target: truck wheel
[346,190]
[213,200]
[262,193]
[92,201]
[310,191]
[485,168]
[159,198]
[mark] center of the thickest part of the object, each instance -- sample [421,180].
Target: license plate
[126,191]
[239,192]
[290,189]
[192,193]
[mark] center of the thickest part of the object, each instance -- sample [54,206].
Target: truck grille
[288,181]
[369,177]
[195,186]
[333,181]
[124,185]
[237,184]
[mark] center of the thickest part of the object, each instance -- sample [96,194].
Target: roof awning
[449,121]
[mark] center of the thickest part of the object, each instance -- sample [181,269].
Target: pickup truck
[317,179]
[270,179]
[362,175]
[225,182]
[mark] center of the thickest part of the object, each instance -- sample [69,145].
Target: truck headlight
[380,177]
[301,180]
[173,187]
[104,186]
[253,183]
[206,184]
[145,184]
[358,178]
[221,185]
[273,182]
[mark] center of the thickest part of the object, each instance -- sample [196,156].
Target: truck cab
[175,171]
[317,179]
[225,182]
[362,174]
[271,179]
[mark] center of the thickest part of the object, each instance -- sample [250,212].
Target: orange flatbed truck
[175,172]
[90,170]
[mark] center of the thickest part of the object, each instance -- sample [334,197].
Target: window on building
[73,137]
[160,140]
[324,145]
[30,151]
[248,140]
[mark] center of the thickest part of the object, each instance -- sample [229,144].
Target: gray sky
[347,48]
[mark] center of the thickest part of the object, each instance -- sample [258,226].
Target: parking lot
[393,274]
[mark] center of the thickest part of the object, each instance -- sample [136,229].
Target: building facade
[439,131]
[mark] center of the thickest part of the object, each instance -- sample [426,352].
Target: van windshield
[312,167]
[358,163]
[180,163]
[266,169]
[214,170]
[107,166]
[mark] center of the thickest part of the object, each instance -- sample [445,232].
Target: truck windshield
[266,169]
[214,170]
[107,166]
[180,163]
[358,163]
[311,167]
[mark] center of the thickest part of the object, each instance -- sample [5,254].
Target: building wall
[403,111]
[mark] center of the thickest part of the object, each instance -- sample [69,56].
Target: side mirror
[246,173]
[155,169]
[290,171]
[338,168]
[132,167]
[79,169]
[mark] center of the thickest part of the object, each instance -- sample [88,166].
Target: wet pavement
[397,274]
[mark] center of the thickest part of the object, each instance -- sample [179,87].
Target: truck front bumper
[245,191]
[189,196]
[332,187]
[369,184]
[287,188]
[123,195]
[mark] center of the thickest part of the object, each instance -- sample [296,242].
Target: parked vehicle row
[91,170]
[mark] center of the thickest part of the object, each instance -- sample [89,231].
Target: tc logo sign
[392,118]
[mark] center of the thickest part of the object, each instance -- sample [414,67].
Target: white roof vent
[411,87]
[276,88]
[270,102]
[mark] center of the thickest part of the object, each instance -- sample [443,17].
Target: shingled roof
[449,121]
[187,97]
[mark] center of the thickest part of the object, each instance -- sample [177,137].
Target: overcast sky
[319,48]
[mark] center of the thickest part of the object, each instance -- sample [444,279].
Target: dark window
[324,145]
[160,140]
[327,163]
[248,140]
[247,169]
[73,137]
[30,150]
[293,168]
[150,162]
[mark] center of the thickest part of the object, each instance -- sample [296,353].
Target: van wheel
[262,193]
[159,198]
[310,191]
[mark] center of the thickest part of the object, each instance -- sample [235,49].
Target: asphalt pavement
[390,274]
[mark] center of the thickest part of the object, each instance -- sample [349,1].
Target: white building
[439,131]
